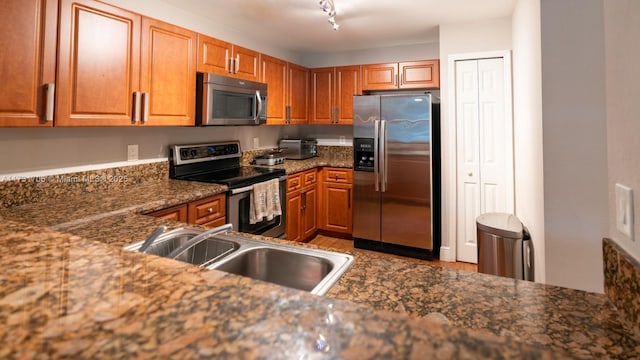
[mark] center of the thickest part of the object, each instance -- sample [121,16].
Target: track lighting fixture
[328,7]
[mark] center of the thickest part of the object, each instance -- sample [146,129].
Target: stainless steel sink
[298,267]
[307,269]
[201,254]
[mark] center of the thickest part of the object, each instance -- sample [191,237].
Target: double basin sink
[307,269]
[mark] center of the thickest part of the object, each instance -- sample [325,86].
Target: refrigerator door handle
[376,169]
[383,155]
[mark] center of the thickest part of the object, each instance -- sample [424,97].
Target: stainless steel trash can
[504,246]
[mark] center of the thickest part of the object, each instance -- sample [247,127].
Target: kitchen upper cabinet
[168,74]
[98,78]
[332,91]
[288,91]
[336,200]
[28,31]
[423,74]
[118,68]
[274,74]
[298,94]
[223,58]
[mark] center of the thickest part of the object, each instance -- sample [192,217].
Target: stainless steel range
[220,163]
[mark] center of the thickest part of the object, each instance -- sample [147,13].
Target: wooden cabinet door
[336,207]
[294,216]
[246,63]
[98,64]
[348,84]
[309,213]
[380,76]
[298,94]
[273,72]
[420,74]
[214,56]
[28,31]
[322,96]
[168,74]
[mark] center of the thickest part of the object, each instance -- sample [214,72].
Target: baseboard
[446,254]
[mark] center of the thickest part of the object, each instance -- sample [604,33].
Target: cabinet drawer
[337,175]
[310,177]
[294,182]
[175,213]
[207,210]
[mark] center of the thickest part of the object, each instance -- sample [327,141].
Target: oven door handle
[250,187]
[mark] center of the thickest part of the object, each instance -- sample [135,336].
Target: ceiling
[302,26]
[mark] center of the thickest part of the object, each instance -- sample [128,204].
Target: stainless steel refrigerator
[396,179]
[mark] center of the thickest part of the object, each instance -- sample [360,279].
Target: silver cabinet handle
[376,137]
[145,107]
[236,66]
[136,106]
[395,80]
[260,105]
[383,154]
[51,91]
[400,79]
[337,115]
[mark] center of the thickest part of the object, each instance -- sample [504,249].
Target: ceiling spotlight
[328,7]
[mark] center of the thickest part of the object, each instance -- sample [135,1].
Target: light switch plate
[256,142]
[132,152]
[624,210]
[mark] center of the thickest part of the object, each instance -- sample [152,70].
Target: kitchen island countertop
[75,292]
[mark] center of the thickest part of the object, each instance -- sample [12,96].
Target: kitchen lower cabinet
[302,199]
[336,200]
[175,213]
[28,31]
[208,212]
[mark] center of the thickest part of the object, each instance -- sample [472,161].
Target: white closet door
[468,167]
[485,148]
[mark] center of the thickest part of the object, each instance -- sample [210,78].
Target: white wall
[39,149]
[574,142]
[372,56]
[472,37]
[527,126]
[622,51]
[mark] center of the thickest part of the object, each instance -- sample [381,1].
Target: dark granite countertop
[70,290]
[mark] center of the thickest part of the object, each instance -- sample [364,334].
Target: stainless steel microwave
[223,100]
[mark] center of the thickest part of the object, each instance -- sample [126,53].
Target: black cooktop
[217,163]
[236,177]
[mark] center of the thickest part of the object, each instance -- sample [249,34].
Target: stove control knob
[184,154]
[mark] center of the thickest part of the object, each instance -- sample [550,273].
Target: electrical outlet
[132,152]
[624,210]
[256,142]
[342,140]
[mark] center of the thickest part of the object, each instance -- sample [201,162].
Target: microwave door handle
[260,105]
